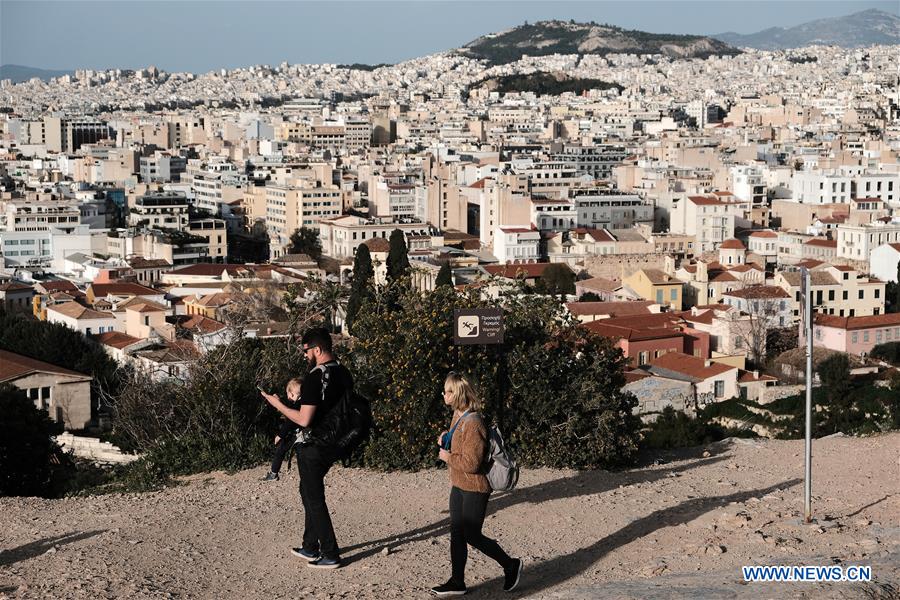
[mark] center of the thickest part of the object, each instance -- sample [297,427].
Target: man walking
[323,388]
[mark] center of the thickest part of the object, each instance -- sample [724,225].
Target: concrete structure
[64,394]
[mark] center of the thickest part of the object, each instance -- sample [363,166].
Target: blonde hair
[462,394]
[293,384]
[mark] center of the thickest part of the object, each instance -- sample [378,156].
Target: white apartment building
[749,183]
[611,210]
[342,235]
[162,167]
[856,242]
[596,161]
[553,215]
[820,188]
[517,245]
[709,219]
[395,200]
[288,208]
[160,209]
[39,215]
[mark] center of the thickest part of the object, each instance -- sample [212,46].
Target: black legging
[467,511]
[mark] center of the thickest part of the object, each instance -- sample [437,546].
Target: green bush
[553,387]
[888,352]
[215,419]
[27,450]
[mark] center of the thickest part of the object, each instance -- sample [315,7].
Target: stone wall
[656,393]
[776,392]
[93,449]
[619,266]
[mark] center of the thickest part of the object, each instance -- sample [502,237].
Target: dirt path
[680,529]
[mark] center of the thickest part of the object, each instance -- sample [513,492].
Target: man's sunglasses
[308,348]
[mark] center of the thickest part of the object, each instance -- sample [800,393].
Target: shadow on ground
[544,575]
[32,549]
[585,483]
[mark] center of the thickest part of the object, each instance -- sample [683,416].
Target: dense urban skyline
[234,34]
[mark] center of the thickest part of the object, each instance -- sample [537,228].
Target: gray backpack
[503,472]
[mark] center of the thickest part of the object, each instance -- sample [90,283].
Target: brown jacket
[468,452]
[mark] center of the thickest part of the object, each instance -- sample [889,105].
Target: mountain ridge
[863,28]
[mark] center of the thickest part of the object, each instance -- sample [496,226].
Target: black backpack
[346,426]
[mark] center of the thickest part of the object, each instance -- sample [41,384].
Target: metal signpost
[807,325]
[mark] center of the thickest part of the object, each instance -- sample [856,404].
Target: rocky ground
[673,530]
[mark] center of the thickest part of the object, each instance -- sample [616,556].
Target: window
[877,293]
[846,294]
[45,393]
[862,294]
[659,296]
[643,357]
[831,295]
[865,336]
[673,295]
[720,388]
[854,338]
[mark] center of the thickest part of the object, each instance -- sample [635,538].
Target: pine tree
[363,282]
[397,260]
[444,276]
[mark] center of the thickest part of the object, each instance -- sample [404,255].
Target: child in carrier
[286,432]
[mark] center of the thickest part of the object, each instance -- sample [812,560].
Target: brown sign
[477,326]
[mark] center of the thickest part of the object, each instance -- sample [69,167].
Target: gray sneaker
[271,476]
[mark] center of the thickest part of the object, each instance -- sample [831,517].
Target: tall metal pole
[808,326]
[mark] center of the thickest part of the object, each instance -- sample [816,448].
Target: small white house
[883,262]
[80,318]
[517,245]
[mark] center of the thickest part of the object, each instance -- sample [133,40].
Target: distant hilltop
[864,28]
[568,37]
[18,73]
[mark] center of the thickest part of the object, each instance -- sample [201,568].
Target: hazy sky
[207,34]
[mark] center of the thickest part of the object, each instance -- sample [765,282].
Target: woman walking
[464,448]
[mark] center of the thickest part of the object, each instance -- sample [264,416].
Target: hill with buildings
[19,73]
[863,28]
[568,37]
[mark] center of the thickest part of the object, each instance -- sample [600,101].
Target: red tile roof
[615,309]
[77,311]
[821,242]
[13,366]
[851,323]
[759,291]
[765,233]
[705,201]
[116,339]
[692,366]
[122,289]
[732,244]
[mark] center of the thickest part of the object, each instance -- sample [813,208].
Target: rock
[706,454]
[385,551]
[52,550]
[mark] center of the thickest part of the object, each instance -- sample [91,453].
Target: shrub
[888,352]
[216,418]
[554,388]
[675,429]
[27,448]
